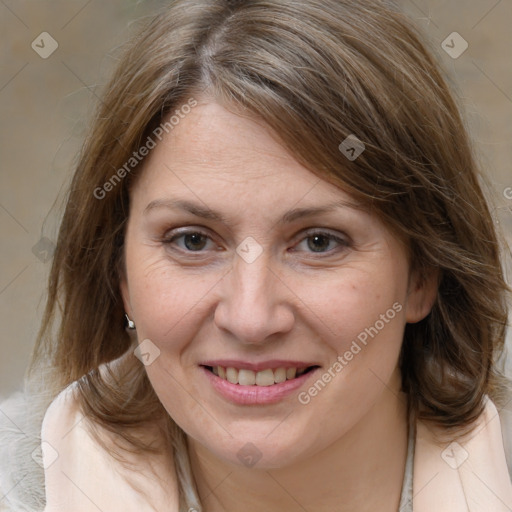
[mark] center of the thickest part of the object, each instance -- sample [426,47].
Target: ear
[421,294]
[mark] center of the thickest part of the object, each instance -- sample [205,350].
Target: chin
[271,446]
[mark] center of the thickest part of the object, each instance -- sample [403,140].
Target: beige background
[44,105]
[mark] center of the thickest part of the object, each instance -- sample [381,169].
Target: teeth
[290,373]
[232,375]
[266,377]
[247,378]
[279,375]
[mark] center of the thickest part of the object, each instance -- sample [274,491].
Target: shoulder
[495,427]
[60,415]
[82,467]
[470,468]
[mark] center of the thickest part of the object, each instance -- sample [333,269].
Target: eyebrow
[205,212]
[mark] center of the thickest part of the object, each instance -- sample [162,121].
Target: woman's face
[238,257]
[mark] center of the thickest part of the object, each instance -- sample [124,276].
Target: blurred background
[57,54]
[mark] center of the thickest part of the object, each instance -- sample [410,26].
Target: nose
[255,304]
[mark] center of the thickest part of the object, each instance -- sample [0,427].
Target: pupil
[196,239]
[316,238]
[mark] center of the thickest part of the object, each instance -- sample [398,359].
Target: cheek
[165,301]
[363,314]
[184,405]
[365,320]
[357,300]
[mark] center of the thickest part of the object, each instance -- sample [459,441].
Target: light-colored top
[467,475]
[470,474]
[83,476]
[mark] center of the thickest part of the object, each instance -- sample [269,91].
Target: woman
[278,280]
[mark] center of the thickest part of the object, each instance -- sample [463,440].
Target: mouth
[256,384]
[265,377]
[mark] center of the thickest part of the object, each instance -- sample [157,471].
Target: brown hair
[315,72]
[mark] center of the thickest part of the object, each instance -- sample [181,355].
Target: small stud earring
[131,323]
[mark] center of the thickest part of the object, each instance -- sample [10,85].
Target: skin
[297,300]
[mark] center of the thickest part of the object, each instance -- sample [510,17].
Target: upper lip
[256,367]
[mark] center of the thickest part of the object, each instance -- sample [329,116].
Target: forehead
[212,137]
[213,148]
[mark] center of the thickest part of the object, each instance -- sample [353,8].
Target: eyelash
[343,243]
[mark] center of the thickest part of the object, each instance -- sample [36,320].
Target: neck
[362,471]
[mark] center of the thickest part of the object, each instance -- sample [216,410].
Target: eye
[320,241]
[192,240]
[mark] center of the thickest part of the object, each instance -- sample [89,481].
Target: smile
[266,377]
[256,384]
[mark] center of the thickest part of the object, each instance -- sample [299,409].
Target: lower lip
[256,395]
